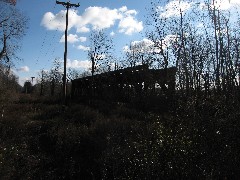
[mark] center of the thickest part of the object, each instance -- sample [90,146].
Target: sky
[123,20]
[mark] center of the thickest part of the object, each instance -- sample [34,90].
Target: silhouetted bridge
[125,84]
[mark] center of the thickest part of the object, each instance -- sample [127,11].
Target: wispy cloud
[23,69]
[84,48]
[82,39]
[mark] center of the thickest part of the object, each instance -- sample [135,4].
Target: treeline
[49,82]
[197,137]
[13,27]
[9,88]
[202,42]
[201,39]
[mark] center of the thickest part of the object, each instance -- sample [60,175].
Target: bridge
[125,84]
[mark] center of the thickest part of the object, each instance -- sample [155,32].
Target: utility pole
[32,79]
[41,89]
[67,5]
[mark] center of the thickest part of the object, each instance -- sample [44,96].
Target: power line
[44,40]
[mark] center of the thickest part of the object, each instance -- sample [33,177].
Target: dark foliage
[43,140]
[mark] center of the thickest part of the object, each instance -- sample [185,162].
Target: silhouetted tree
[9,86]
[139,52]
[55,76]
[42,82]
[13,25]
[100,52]
[73,74]
[27,87]
[206,57]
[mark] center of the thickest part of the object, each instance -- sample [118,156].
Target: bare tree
[100,52]
[206,57]
[139,52]
[13,25]
[42,82]
[55,76]
[73,74]
[9,87]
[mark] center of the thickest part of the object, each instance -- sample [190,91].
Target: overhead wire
[56,39]
[52,41]
[53,45]
[43,45]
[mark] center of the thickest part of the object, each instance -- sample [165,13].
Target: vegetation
[193,133]
[42,139]
[13,27]
[100,52]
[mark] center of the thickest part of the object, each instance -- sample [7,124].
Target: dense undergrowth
[41,139]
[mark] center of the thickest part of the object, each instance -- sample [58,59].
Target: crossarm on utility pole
[67,4]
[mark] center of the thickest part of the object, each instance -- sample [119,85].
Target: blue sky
[122,19]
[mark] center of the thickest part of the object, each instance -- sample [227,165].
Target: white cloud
[82,39]
[100,17]
[83,29]
[84,48]
[123,9]
[96,18]
[229,9]
[173,8]
[57,22]
[131,12]
[148,46]
[23,80]
[196,12]
[23,69]
[73,38]
[130,25]
[144,45]
[112,33]
[226,4]
[168,40]
[81,64]
[50,21]
[125,48]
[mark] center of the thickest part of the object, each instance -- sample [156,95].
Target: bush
[199,140]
